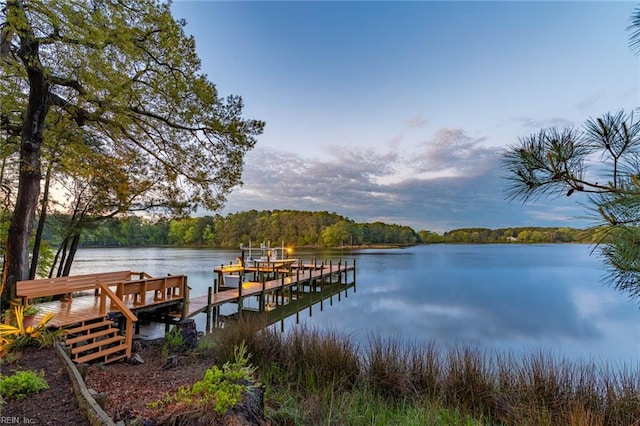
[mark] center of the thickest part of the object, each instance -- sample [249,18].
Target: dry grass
[320,370]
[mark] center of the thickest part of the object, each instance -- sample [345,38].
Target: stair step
[91,336]
[89,326]
[101,354]
[97,344]
[108,359]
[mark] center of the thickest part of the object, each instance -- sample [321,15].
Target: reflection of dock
[300,301]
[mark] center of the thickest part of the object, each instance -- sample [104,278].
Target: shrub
[18,335]
[222,387]
[22,383]
[172,340]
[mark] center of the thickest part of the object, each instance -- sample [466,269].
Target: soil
[55,406]
[130,388]
[127,389]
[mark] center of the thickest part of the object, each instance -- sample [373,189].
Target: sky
[400,111]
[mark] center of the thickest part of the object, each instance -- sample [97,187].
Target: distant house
[512,239]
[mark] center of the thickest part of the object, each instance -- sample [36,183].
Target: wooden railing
[170,286]
[118,304]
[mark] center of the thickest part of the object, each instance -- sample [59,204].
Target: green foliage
[299,228]
[30,311]
[557,162]
[18,335]
[22,383]
[108,100]
[504,235]
[172,340]
[221,387]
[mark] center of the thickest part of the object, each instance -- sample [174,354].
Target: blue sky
[399,111]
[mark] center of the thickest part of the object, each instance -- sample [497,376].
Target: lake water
[506,298]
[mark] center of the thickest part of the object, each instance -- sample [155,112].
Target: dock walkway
[297,277]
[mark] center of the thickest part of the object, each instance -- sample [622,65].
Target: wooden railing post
[119,305]
[209,299]
[185,299]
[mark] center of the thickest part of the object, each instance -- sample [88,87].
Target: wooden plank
[91,336]
[30,289]
[100,354]
[97,344]
[89,326]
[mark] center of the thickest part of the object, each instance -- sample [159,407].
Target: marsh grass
[315,377]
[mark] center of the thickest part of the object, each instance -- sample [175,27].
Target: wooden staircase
[95,339]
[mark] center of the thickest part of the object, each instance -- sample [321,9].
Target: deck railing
[118,304]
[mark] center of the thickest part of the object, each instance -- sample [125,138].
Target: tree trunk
[17,257]
[72,254]
[16,266]
[55,261]
[43,217]
[64,245]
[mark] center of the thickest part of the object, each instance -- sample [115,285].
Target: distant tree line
[511,235]
[300,228]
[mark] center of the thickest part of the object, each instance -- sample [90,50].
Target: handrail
[130,316]
[141,275]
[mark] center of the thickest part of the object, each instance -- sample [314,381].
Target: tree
[338,234]
[602,160]
[128,78]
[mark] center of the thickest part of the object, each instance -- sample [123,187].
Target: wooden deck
[87,307]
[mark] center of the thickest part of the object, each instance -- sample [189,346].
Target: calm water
[495,297]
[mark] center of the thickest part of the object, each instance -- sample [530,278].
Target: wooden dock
[86,311]
[304,276]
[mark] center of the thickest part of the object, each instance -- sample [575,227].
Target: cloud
[587,103]
[537,124]
[411,124]
[455,151]
[416,121]
[450,181]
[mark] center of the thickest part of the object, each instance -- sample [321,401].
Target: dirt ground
[130,388]
[127,388]
[55,406]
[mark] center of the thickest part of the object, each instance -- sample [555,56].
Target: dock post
[354,275]
[263,295]
[330,271]
[185,300]
[340,270]
[279,290]
[209,297]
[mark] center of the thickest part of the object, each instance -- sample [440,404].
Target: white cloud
[408,188]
